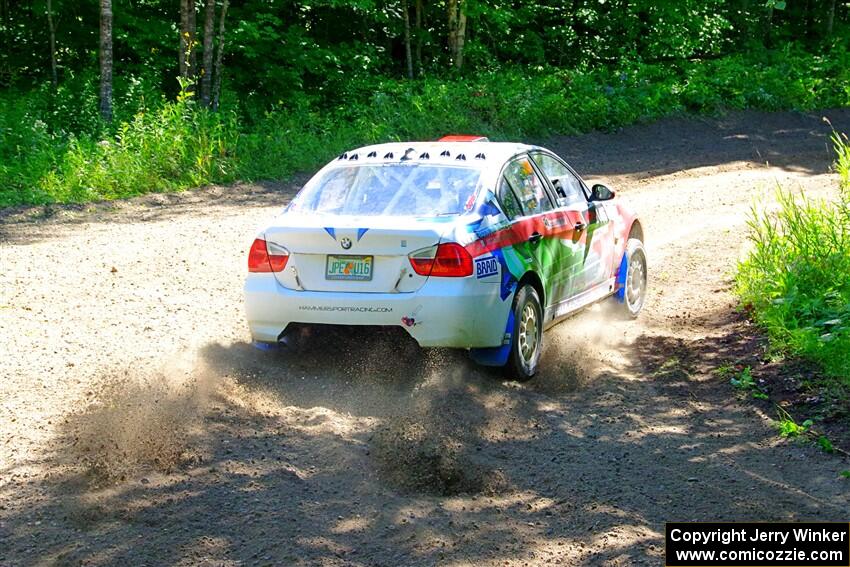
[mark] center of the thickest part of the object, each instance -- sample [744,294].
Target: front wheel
[527,335]
[633,294]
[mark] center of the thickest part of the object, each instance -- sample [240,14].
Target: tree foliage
[278,47]
[214,90]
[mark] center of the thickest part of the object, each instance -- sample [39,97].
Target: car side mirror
[600,192]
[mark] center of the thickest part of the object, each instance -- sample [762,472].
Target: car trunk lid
[357,254]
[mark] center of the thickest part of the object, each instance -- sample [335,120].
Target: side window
[528,186]
[567,186]
[508,200]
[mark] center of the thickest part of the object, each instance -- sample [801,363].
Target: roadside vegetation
[260,90]
[796,280]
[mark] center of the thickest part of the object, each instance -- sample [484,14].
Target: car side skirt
[559,311]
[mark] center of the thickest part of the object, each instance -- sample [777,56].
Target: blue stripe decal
[488,209]
[474,226]
[331,231]
[508,280]
[360,233]
[622,272]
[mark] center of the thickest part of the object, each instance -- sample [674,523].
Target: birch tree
[457,31]
[51,28]
[219,57]
[207,71]
[106,59]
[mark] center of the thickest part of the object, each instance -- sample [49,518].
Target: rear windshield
[390,189]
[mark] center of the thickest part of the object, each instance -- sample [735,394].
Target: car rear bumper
[444,312]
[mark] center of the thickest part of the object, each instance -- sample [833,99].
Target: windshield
[390,189]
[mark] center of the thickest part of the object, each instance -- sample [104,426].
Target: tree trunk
[461,34]
[418,36]
[408,55]
[768,27]
[810,20]
[207,72]
[219,57]
[51,26]
[830,18]
[183,33]
[452,28]
[187,57]
[191,30]
[5,26]
[106,59]
[457,31]
[744,19]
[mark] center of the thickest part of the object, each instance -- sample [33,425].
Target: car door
[537,226]
[592,233]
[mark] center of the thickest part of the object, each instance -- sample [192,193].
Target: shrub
[796,278]
[54,148]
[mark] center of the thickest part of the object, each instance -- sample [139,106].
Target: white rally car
[462,242]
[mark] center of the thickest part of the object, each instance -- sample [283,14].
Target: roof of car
[467,153]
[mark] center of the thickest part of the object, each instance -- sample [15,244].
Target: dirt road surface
[139,427]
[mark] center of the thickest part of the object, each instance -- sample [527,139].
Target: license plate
[356,268]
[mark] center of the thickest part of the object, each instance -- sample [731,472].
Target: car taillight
[423,260]
[267,257]
[448,260]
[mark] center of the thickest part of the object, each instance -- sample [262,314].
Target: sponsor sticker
[484,267]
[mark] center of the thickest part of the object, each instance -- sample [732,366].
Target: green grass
[796,279]
[804,432]
[53,147]
[743,381]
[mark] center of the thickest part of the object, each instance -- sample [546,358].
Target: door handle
[579,226]
[535,237]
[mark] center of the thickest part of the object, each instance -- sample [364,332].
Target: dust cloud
[435,441]
[439,410]
[141,420]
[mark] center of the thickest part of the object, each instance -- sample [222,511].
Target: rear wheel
[527,335]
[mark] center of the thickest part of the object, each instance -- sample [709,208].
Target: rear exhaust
[287,340]
[290,339]
[294,337]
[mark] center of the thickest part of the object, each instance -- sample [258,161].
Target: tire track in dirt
[137,424]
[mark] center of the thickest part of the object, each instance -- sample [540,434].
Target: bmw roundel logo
[345,243]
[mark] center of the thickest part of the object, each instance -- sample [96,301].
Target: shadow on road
[368,451]
[27,225]
[793,141]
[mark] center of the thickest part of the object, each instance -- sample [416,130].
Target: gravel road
[139,427]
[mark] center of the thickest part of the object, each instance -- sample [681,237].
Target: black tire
[636,280]
[525,355]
